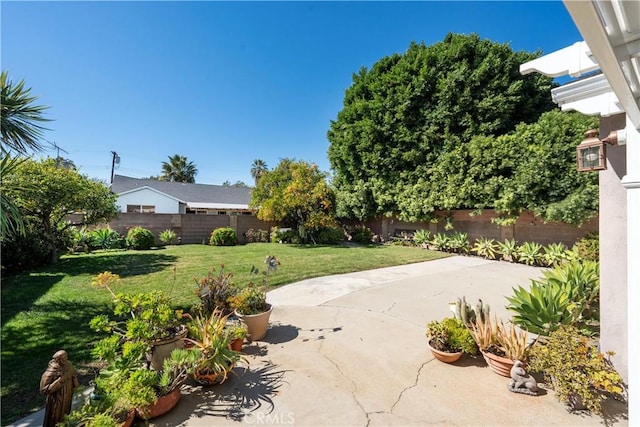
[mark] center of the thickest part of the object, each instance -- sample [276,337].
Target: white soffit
[611,29]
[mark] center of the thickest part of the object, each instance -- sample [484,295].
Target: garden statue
[272,263]
[57,384]
[521,382]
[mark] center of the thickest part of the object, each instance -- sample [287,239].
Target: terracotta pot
[211,379]
[443,356]
[129,421]
[256,324]
[498,364]
[161,350]
[161,406]
[236,345]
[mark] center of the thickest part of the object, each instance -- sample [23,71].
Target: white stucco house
[162,197]
[611,51]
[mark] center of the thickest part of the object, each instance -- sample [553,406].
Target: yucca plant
[555,253]
[167,237]
[530,253]
[485,248]
[508,250]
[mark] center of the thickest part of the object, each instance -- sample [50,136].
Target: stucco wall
[613,252]
[144,196]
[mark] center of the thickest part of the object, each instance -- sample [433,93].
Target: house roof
[194,195]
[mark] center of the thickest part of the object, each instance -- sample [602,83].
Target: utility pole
[114,161]
[58,149]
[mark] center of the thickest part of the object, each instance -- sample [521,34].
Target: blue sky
[225,83]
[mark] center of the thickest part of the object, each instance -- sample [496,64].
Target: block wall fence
[528,228]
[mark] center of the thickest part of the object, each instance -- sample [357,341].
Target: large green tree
[46,194]
[533,167]
[409,109]
[179,169]
[295,193]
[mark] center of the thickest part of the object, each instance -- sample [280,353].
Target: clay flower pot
[256,324]
[498,364]
[444,356]
[161,406]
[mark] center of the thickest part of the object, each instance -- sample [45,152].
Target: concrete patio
[350,350]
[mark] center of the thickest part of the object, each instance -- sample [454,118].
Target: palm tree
[20,131]
[258,168]
[20,118]
[179,170]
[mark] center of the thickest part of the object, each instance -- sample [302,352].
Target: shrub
[284,235]
[224,236]
[256,236]
[576,370]
[362,234]
[139,238]
[441,241]
[79,239]
[588,247]
[167,237]
[22,253]
[459,243]
[329,235]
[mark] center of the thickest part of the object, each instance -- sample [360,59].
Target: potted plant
[211,338]
[500,345]
[449,338]
[576,370]
[143,317]
[237,333]
[251,307]
[214,291]
[126,383]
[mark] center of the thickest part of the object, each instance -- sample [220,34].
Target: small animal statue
[521,382]
[57,384]
[272,263]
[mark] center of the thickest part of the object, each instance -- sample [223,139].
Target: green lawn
[50,309]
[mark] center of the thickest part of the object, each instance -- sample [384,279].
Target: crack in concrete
[354,387]
[390,308]
[415,384]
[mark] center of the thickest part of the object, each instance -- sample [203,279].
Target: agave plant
[543,307]
[508,250]
[441,241]
[530,253]
[555,253]
[485,248]
[582,279]
[459,242]
[421,237]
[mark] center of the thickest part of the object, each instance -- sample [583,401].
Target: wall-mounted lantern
[592,154]
[592,151]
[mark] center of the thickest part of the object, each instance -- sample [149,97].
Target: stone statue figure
[57,384]
[521,382]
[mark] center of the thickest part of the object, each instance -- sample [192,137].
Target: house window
[222,212]
[141,209]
